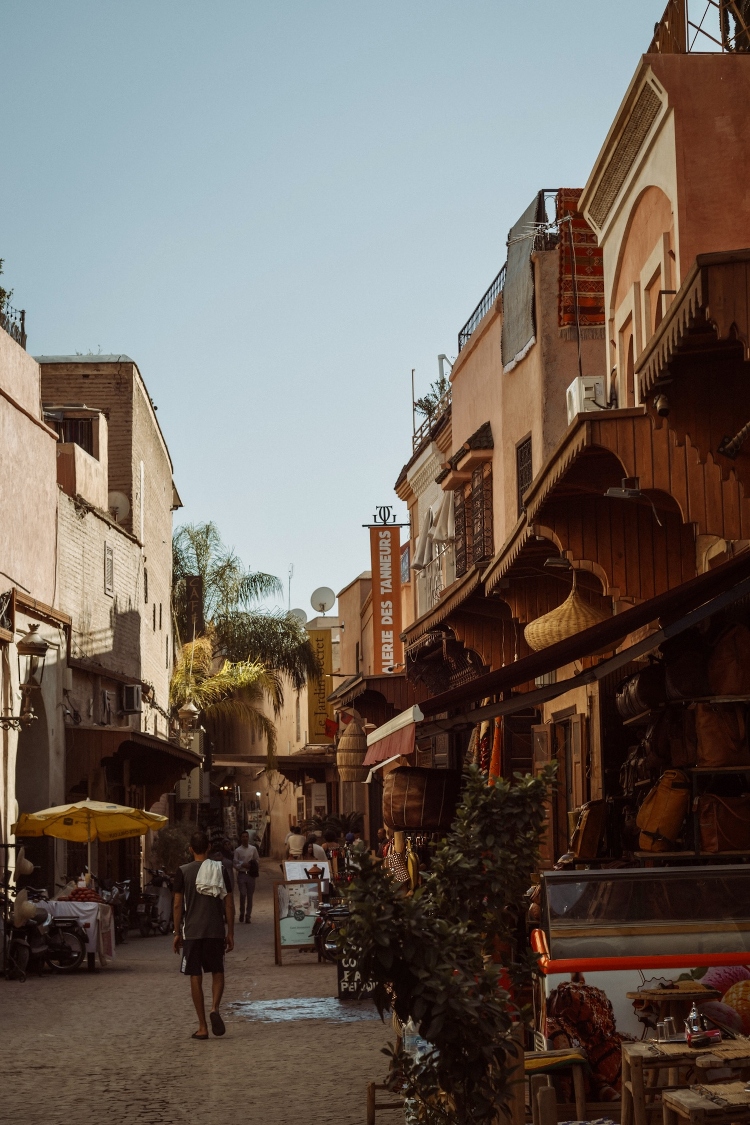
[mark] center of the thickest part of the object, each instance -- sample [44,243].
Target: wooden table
[642,1063]
[675,1001]
[724,1103]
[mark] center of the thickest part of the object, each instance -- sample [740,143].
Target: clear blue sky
[278,210]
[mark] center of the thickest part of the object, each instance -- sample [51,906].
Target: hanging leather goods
[721,732]
[724,823]
[663,812]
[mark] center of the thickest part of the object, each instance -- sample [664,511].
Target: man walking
[247,866]
[204,929]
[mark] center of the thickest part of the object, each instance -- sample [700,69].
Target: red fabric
[497,752]
[400,742]
[332,728]
[589,263]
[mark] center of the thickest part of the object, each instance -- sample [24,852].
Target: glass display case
[643,912]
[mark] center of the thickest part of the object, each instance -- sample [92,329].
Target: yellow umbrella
[85,821]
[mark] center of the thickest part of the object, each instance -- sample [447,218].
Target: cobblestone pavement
[113,1047]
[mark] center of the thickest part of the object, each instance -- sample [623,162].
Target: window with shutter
[481,504]
[524,474]
[460,517]
[109,570]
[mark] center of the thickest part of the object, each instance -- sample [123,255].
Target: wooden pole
[547,1100]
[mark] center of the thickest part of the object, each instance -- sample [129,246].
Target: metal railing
[723,23]
[14,323]
[482,309]
[424,429]
[438,575]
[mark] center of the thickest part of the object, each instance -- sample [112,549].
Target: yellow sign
[317,690]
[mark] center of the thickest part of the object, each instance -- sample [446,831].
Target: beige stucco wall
[28,478]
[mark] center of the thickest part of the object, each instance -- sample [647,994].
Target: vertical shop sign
[317,690]
[385,553]
[194,598]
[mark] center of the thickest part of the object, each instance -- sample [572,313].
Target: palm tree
[233,691]
[245,651]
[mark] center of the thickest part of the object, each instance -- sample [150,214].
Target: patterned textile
[579,1015]
[589,265]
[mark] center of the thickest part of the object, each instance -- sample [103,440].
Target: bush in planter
[430,954]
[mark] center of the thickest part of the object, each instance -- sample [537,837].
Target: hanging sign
[194,599]
[385,555]
[319,712]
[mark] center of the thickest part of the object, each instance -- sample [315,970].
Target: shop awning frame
[393,739]
[606,634]
[524,700]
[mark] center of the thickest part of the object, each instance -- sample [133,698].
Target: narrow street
[115,1046]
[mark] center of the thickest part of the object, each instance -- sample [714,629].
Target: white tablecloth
[88,914]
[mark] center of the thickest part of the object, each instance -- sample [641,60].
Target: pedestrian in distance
[203,929]
[247,866]
[296,844]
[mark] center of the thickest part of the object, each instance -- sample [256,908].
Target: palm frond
[279,640]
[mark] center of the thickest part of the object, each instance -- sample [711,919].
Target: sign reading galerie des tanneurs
[385,553]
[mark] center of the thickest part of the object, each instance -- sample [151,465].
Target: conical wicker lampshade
[351,752]
[574,615]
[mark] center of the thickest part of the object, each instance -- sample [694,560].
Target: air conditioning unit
[131,699]
[585,393]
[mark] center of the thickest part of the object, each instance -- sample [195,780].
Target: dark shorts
[202,955]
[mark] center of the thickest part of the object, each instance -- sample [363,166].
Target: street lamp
[33,650]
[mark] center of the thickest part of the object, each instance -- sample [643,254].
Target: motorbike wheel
[165,927]
[70,955]
[325,942]
[18,961]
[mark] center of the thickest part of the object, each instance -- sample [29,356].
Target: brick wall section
[116,388]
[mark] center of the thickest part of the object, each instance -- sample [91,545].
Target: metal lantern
[351,752]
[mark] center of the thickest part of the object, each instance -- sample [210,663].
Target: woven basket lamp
[574,615]
[351,752]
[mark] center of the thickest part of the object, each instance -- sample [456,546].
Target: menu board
[295,908]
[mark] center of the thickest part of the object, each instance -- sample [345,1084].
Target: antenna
[289,587]
[322,599]
[299,614]
[118,505]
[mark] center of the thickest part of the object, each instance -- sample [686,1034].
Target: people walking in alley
[247,866]
[296,844]
[203,929]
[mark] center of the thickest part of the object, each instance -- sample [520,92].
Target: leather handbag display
[729,662]
[686,666]
[724,823]
[641,692]
[418,798]
[584,843]
[722,735]
[663,812]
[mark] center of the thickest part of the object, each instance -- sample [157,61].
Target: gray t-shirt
[203,915]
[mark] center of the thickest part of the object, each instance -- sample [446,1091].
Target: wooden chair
[373,1105]
[541,1064]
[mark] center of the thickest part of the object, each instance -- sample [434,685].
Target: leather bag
[662,814]
[584,843]
[686,666]
[729,663]
[418,798]
[724,823]
[722,734]
[641,692]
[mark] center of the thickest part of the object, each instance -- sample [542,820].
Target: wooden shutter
[541,741]
[109,569]
[460,518]
[578,758]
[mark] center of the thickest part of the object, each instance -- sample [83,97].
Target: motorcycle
[154,907]
[43,939]
[325,930]
[117,895]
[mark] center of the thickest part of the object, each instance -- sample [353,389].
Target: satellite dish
[118,505]
[299,614]
[322,599]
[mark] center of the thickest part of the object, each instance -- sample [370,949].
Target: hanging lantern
[573,616]
[351,752]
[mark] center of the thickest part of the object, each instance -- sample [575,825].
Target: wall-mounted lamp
[32,650]
[631,490]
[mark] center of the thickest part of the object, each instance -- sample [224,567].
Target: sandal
[217,1023]
[197,1035]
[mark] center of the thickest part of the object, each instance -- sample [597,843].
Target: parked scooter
[117,895]
[155,904]
[37,938]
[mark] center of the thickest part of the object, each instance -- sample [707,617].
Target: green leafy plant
[5,294]
[171,846]
[427,405]
[433,956]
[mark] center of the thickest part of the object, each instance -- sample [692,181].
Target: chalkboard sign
[295,908]
[350,980]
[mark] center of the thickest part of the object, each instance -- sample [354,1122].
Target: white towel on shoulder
[210,879]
